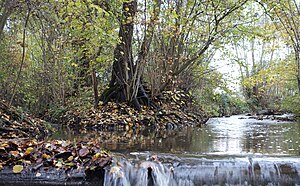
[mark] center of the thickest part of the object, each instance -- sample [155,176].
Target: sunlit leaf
[18,168]
[28,151]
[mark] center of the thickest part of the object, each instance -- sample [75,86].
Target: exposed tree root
[116,94]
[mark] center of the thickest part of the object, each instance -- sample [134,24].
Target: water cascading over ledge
[202,171]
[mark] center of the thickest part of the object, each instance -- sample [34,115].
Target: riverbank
[15,123]
[173,110]
[26,158]
[56,162]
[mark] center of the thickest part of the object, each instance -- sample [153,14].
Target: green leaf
[70,164]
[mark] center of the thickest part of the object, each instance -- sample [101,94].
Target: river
[232,150]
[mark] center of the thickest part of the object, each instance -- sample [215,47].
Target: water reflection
[228,136]
[236,136]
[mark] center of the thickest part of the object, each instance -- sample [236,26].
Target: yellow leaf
[28,150]
[96,156]
[46,156]
[4,145]
[127,9]
[18,168]
[74,64]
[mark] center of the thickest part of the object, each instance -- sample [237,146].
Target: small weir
[201,171]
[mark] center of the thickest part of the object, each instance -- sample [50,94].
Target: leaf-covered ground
[17,124]
[175,109]
[25,155]
[19,156]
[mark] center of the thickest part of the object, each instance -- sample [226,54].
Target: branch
[23,55]
[211,39]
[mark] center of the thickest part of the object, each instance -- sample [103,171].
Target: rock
[260,118]
[266,112]
[253,117]
[285,117]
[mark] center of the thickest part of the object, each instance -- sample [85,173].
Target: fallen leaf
[46,156]
[58,164]
[4,145]
[83,152]
[70,158]
[14,153]
[70,164]
[27,162]
[96,156]
[28,151]
[18,168]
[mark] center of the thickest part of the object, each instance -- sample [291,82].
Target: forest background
[60,55]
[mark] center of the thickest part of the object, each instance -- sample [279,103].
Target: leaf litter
[21,154]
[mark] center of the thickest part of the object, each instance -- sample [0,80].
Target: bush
[292,104]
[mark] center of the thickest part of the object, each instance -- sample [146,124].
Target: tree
[6,9]
[286,17]
[126,82]
[189,32]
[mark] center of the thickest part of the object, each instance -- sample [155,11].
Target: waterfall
[140,174]
[202,171]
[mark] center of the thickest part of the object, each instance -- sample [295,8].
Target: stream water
[227,151]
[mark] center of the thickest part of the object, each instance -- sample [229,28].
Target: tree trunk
[297,60]
[126,81]
[123,60]
[7,10]
[95,87]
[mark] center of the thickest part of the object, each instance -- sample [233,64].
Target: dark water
[227,151]
[221,136]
